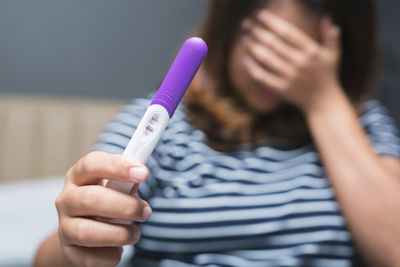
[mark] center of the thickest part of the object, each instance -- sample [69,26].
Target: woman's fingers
[286,31]
[267,57]
[330,34]
[89,242]
[262,76]
[271,40]
[97,166]
[82,256]
[100,201]
[91,233]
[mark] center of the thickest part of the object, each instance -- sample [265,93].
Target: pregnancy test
[163,106]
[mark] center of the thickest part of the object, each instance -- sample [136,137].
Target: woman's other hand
[288,62]
[84,240]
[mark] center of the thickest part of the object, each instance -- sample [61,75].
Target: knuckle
[70,172]
[86,163]
[117,160]
[82,232]
[63,200]
[84,166]
[59,202]
[62,231]
[312,53]
[64,234]
[88,198]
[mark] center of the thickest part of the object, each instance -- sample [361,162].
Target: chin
[263,106]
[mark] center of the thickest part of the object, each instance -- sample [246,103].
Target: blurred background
[66,67]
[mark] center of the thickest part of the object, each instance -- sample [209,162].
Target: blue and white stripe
[252,207]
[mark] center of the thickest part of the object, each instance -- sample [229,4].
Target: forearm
[367,190]
[49,253]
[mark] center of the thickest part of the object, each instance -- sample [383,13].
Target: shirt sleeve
[116,137]
[381,129]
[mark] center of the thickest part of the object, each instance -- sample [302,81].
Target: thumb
[330,34]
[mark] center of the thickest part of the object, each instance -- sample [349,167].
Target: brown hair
[213,105]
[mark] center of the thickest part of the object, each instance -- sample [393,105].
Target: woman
[265,164]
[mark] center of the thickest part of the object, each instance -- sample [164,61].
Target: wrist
[329,100]
[50,253]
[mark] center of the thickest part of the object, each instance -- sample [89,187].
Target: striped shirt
[265,206]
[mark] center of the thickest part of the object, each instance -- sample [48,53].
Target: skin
[81,240]
[288,53]
[303,49]
[259,49]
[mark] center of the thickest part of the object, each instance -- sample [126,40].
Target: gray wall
[96,48]
[390,41]
[123,48]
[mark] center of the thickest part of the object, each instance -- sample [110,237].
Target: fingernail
[136,236]
[137,173]
[146,213]
[263,15]
[246,24]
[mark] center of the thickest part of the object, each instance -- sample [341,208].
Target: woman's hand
[84,240]
[290,63]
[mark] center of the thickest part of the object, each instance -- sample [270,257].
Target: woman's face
[258,97]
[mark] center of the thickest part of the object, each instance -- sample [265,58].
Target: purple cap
[181,74]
